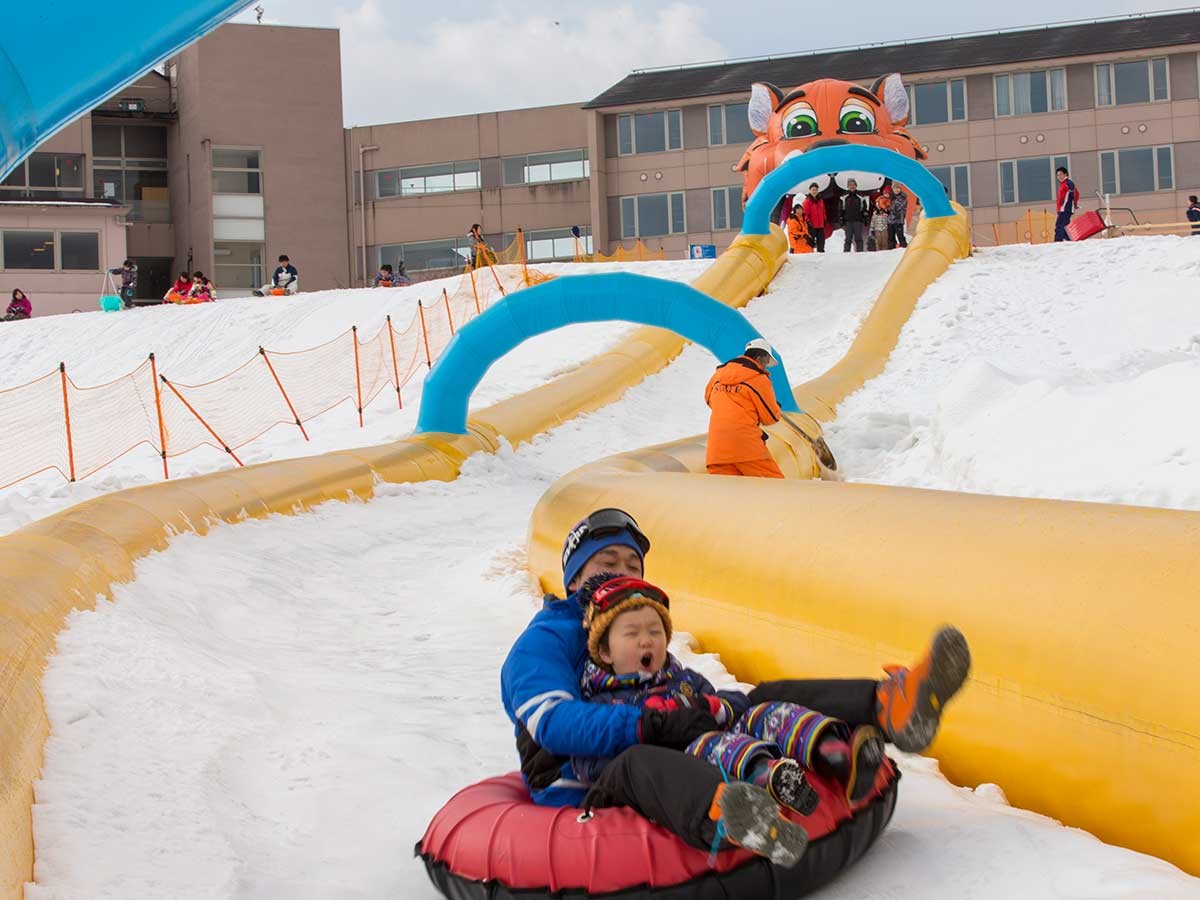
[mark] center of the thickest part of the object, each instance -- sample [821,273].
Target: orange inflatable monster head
[822,114]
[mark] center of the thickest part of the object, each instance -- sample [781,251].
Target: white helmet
[763,345]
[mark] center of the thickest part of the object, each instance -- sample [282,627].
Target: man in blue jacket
[540,687]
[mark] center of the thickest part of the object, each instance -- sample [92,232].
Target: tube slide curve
[1082,616]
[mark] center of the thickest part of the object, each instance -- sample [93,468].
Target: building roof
[911,58]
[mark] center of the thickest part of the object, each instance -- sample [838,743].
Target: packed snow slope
[201,342]
[1062,371]
[277,709]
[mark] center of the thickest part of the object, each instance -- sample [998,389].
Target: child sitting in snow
[770,744]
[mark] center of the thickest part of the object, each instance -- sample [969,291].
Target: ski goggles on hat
[599,524]
[616,590]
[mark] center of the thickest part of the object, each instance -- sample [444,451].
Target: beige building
[187,169]
[1117,102]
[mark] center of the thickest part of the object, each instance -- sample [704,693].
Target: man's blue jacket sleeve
[539,684]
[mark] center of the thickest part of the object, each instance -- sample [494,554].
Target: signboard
[702,251]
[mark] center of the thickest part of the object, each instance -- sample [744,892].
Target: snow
[1063,371]
[278,708]
[197,343]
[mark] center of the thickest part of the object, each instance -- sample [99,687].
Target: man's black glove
[675,729]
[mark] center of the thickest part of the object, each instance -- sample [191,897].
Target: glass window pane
[238,253]
[1132,82]
[466,181]
[68,171]
[1039,99]
[678,226]
[106,140]
[1159,67]
[1003,105]
[944,175]
[1108,173]
[28,250]
[1058,89]
[16,178]
[624,135]
[720,220]
[962,185]
[1136,168]
[80,250]
[145,142]
[735,207]
[674,129]
[628,218]
[737,123]
[1166,178]
[235,159]
[514,170]
[387,183]
[108,184]
[439,183]
[1021,94]
[447,254]
[1104,85]
[716,129]
[237,183]
[1034,180]
[649,131]
[41,170]
[1007,188]
[958,100]
[931,107]
[652,215]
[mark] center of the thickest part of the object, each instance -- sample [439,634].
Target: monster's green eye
[800,122]
[856,118]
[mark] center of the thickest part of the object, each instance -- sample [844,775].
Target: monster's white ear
[891,93]
[764,96]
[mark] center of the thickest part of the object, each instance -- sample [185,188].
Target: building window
[64,251]
[1029,180]
[651,132]
[1139,81]
[440,178]
[236,171]
[452,253]
[1028,93]
[956,180]
[130,167]
[46,176]
[1138,170]
[539,168]
[652,215]
[726,208]
[729,123]
[937,102]
[239,265]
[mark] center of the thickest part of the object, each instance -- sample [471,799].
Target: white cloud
[397,68]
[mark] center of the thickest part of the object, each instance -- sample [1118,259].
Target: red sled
[1085,225]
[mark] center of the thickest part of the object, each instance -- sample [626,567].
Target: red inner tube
[492,833]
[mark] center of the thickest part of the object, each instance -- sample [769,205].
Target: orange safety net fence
[1035,227]
[52,423]
[639,253]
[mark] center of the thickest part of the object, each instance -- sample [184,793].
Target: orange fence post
[474,289]
[357,376]
[492,269]
[200,419]
[1017,232]
[424,334]
[395,368]
[162,428]
[279,384]
[996,232]
[449,318]
[1045,226]
[578,251]
[1029,224]
[62,372]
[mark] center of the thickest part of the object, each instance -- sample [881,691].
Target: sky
[403,61]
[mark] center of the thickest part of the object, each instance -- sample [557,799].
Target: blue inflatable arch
[843,158]
[570,300]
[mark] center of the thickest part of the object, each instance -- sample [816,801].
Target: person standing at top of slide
[1068,200]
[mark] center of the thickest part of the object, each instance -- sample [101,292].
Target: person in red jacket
[1068,200]
[742,400]
[814,215]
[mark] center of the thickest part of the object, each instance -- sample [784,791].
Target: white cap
[765,347]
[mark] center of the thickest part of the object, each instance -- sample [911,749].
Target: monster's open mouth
[865,181]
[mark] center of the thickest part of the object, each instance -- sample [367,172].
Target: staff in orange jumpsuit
[742,401]
[797,232]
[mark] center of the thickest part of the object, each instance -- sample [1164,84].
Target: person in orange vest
[797,232]
[742,400]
